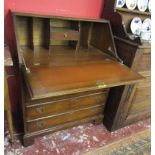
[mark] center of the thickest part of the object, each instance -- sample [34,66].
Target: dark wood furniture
[131,103]
[67,67]
[7,105]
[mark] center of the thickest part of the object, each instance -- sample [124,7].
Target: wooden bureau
[67,67]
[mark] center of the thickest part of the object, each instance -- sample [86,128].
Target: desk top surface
[71,73]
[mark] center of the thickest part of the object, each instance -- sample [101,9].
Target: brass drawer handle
[40,124]
[65,35]
[40,109]
[101,84]
[72,100]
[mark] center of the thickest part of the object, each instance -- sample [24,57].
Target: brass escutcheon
[40,109]
[65,35]
[40,124]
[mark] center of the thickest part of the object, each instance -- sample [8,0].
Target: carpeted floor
[136,144]
[88,139]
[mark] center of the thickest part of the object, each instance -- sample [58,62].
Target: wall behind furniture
[71,8]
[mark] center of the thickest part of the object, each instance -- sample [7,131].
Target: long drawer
[146,82]
[137,117]
[145,63]
[141,100]
[65,105]
[71,116]
[141,103]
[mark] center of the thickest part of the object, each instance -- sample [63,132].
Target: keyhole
[65,35]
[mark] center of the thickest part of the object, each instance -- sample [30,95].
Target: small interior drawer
[64,118]
[65,105]
[64,34]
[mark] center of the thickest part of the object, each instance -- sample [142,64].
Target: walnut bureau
[67,67]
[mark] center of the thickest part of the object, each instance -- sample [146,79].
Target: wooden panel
[126,51]
[62,106]
[137,117]
[147,50]
[145,63]
[24,31]
[140,107]
[135,11]
[102,39]
[28,102]
[60,23]
[127,18]
[41,32]
[64,55]
[145,83]
[86,77]
[64,118]
[141,102]
[85,33]
[8,62]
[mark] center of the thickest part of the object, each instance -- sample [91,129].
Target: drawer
[141,105]
[71,116]
[145,64]
[65,105]
[145,83]
[141,101]
[134,117]
[147,50]
[64,34]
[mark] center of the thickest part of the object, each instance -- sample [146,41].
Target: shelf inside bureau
[62,56]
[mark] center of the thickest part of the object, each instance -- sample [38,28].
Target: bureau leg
[10,125]
[27,141]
